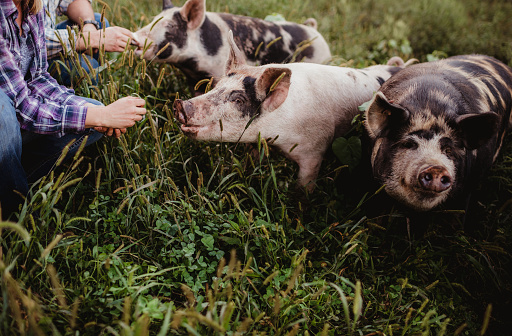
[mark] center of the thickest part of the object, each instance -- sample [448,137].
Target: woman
[38,117]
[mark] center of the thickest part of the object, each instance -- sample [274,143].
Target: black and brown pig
[436,127]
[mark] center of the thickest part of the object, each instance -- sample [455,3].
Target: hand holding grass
[113,38]
[116,117]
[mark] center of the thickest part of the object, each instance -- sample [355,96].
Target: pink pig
[301,107]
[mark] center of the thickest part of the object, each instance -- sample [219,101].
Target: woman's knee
[10,134]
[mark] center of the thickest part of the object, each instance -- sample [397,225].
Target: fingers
[139,102]
[117,38]
[139,108]
[117,132]
[123,31]
[123,113]
[100,129]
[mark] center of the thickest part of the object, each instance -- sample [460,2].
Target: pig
[436,127]
[193,39]
[299,107]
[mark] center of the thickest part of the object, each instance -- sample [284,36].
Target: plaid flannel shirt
[42,105]
[53,9]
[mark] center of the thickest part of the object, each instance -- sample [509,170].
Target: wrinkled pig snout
[179,111]
[435,178]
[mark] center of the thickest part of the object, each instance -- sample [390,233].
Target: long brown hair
[35,6]
[31,6]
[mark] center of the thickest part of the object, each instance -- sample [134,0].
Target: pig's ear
[273,85]
[193,12]
[166,4]
[236,58]
[478,128]
[382,116]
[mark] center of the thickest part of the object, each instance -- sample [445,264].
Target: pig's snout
[180,112]
[435,178]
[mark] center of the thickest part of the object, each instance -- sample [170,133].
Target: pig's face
[221,114]
[420,156]
[166,38]
[239,100]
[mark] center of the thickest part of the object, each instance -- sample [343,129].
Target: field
[155,234]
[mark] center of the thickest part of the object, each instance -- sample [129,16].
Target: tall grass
[154,233]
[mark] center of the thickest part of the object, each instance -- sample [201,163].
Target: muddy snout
[435,179]
[183,110]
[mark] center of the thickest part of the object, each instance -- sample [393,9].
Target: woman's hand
[116,117]
[114,38]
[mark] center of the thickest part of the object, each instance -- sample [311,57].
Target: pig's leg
[309,167]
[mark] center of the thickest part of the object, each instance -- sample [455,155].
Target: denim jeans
[25,157]
[66,76]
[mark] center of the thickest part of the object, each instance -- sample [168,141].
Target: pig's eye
[446,146]
[409,144]
[237,98]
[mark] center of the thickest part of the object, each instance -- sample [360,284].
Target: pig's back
[330,94]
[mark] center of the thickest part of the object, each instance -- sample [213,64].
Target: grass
[156,234]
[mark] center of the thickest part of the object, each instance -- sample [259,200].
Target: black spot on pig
[211,37]
[165,53]
[253,35]
[274,54]
[176,33]
[255,47]
[252,106]
[380,80]
[243,30]
[193,75]
[298,35]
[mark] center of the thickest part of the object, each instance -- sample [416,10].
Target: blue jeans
[66,76]
[25,157]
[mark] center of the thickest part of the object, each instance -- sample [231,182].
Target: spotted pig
[299,107]
[437,127]
[194,40]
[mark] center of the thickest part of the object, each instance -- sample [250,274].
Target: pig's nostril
[435,178]
[179,111]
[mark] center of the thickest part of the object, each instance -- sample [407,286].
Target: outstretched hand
[116,38]
[115,118]
[113,38]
